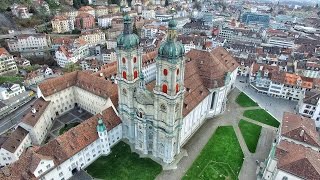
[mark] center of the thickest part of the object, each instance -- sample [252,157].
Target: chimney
[33,110]
[301,133]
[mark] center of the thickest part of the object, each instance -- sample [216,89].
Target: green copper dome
[101,127]
[171,49]
[127,39]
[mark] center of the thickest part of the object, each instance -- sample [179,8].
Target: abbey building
[156,117]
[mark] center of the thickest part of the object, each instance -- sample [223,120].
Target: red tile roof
[15,139]
[300,128]
[61,148]
[40,106]
[298,160]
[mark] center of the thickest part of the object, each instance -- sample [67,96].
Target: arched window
[135,74]
[124,75]
[123,60]
[178,71]
[177,88]
[165,72]
[165,88]
[134,59]
[124,92]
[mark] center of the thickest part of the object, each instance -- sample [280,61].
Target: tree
[197,5]
[166,3]
[316,6]
[70,67]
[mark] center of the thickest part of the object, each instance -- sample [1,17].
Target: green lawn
[221,158]
[124,165]
[13,79]
[67,127]
[262,116]
[244,101]
[251,133]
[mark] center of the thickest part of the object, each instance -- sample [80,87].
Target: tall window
[177,88]
[123,60]
[134,59]
[135,74]
[165,88]
[178,71]
[124,75]
[212,100]
[165,72]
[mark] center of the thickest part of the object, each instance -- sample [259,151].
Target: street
[275,106]
[15,117]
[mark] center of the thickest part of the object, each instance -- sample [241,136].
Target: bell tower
[128,67]
[169,93]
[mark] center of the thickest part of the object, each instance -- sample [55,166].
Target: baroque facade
[157,117]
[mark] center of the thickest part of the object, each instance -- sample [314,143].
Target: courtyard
[67,121]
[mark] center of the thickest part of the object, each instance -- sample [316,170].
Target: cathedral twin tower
[152,120]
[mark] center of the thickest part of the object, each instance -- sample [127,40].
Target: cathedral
[156,115]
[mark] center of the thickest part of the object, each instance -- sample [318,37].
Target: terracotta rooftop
[14,139]
[85,8]
[91,83]
[292,79]
[300,128]
[39,106]
[3,51]
[107,70]
[61,148]
[212,66]
[298,160]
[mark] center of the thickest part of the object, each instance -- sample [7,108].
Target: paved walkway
[231,117]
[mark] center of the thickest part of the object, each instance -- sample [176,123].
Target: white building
[62,24]
[148,14]
[13,146]
[38,121]
[93,37]
[281,42]
[7,63]
[20,11]
[295,155]
[105,21]
[71,53]
[174,102]
[270,80]
[28,43]
[9,90]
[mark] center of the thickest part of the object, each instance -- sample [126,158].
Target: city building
[87,10]
[62,24]
[295,154]
[240,34]
[7,63]
[28,43]
[101,11]
[268,79]
[281,42]
[254,18]
[93,37]
[38,121]
[90,64]
[12,146]
[84,21]
[20,11]
[9,90]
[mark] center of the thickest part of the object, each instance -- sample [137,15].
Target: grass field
[67,127]
[221,158]
[262,116]
[244,101]
[123,164]
[251,133]
[13,79]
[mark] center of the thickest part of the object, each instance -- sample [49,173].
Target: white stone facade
[27,43]
[8,91]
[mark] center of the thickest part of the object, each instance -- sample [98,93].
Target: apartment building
[9,90]
[62,24]
[93,37]
[72,52]
[28,43]
[7,63]
[84,21]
